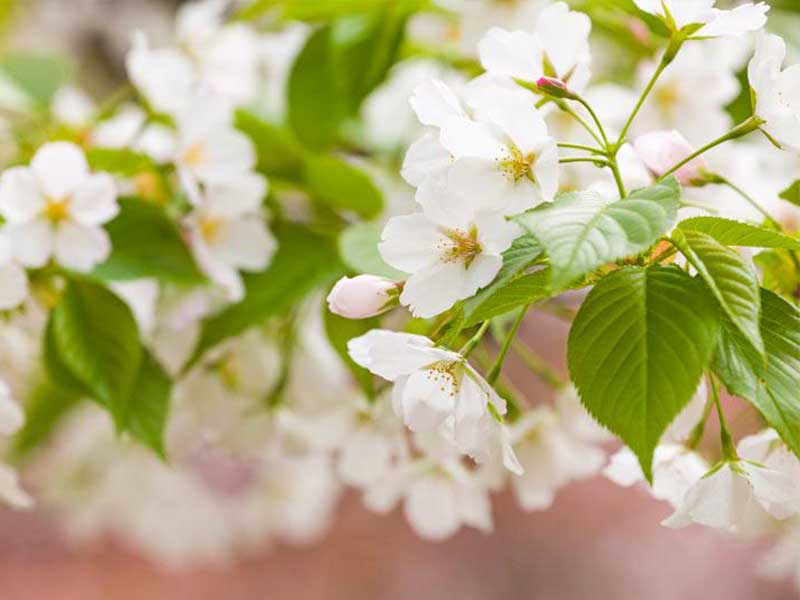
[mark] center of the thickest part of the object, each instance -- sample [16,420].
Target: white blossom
[56,208]
[702,20]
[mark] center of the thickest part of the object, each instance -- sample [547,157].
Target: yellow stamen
[517,165]
[57,210]
[460,246]
[194,156]
[209,228]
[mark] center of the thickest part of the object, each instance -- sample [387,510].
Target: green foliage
[146,243]
[736,233]
[772,387]
[38,76]
[96,338]
[343,186]
[279,153]
[304,261]
[779,272]
[358,247]
[341,63]
[340,331]
[47,403]
[730,278]
[638,348]
[792,193]
[148,404]
[323,10]
[118,161]
[581,231]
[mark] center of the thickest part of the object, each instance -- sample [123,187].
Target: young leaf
[303,262]
[340,331]
[730,278]
[582,231]
[792,193]
[772,388]
[148,404]
[118,161]
[358,247]
[96,338]
[145,243]
[638,348]
[736,233]
[342,186]
[38,76]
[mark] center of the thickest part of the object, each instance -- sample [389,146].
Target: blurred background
[597,541]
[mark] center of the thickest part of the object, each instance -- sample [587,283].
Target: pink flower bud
[362,296]
[661,150]
[554,87]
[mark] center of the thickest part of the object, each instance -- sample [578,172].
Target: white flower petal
[13,286]
[245,243]
[95,200]
[80,247]
[20,197]
[32,242]
[59,167]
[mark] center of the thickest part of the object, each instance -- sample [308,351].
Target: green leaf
[358,247]
[148,404]
[322,10]
[340,331]
[342,186]
[118,161]
[39,76]
[47,403]
[316,106]
[582,231]
[778,271]
[146,243]
[96,338]
[730,278]
[303,262]
[773,388]
[792,193]
[279,153]
[638,348]
[736,233]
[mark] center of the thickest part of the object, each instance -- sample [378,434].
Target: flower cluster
[164,257]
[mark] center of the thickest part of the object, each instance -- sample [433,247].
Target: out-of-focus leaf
[279,153]
[792,193]
[340,331]
[118,161]
[343,186]
[47,403]
[778,272]
[148,404]
[38,76]
[358,247]
[146,243]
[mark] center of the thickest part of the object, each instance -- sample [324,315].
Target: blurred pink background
[598,541]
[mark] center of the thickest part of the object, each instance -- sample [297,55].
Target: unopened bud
[660,150]
[362,296]
[554,87]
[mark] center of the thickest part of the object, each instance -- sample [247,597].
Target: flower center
[667,97]
[194,156]
[460,246]
[517,165]
[446,375]
[209,228]
[56,210]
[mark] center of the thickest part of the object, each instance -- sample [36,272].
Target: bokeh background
[598,541]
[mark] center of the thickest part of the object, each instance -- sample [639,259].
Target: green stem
[537,365]
[697,432]
[494,372]
[596,120]
[740,130]
[666,59]
[581,147]
[595,161]
[728,448]
[566,108]
[612,164]
[748,198]
[113,101]
[467,348]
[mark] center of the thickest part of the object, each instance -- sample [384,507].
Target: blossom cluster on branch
[440,173]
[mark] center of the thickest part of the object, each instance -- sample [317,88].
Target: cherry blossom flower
[776,92]
[451,249]
[436,390]
[228,233]
[55,208]
[660,150]
[700,19]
